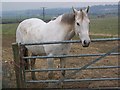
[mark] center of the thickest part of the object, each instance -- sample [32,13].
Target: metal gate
[21,72]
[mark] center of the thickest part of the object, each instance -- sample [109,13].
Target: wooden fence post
[17,65]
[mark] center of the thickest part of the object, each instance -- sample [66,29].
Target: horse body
[35,30]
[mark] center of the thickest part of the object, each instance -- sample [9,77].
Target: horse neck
[69,31]
[70,35]
[68,28]
[68,22]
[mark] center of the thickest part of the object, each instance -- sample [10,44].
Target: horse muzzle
[86,43]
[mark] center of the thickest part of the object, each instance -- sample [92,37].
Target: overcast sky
[9,6]
[59,0]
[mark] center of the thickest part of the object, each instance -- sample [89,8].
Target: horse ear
[81,10]
[87,9]
[74,10]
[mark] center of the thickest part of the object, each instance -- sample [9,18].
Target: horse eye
[78,24]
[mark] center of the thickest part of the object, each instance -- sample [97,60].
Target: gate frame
[19,64]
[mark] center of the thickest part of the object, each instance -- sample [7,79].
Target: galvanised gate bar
[21,72]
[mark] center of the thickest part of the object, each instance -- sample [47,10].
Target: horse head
[82,25]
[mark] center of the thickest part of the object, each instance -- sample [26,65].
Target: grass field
[9,28]
[108,25]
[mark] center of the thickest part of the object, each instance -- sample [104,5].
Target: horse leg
[50,73]
[25,53]
[50,66]
[33,67]
[62,65]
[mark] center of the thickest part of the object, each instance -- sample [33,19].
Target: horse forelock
[68,18]
[82,15]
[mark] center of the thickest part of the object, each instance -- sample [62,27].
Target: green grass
[94,37]
[107,25]
[9,29]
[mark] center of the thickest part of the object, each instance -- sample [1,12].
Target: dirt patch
[101,47]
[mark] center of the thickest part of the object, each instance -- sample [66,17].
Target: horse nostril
[85,42]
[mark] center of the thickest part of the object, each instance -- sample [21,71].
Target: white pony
[64,27]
